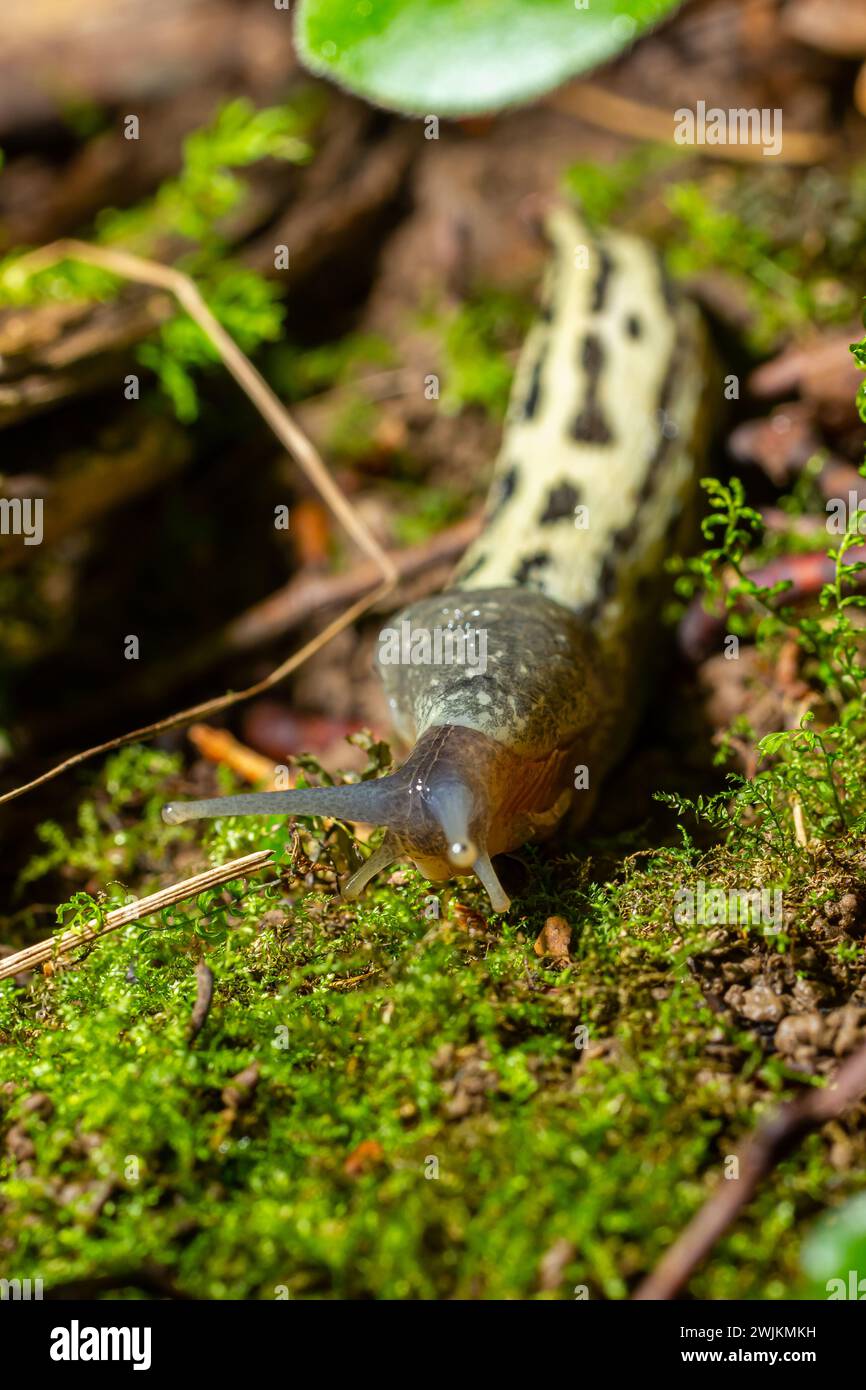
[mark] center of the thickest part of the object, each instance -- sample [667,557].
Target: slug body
[517,688]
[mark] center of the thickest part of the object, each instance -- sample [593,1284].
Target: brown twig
[136,911]
[219,746]
[203,998]
[210,707]
[774,1138]
[800,834]
[623,116]
[296,442]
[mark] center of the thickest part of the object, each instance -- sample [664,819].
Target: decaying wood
[833,26]
[51,352]
[343,193]
[126,460]
[294,440]
[148,272]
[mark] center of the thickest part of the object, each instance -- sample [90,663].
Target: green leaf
[459,57]
[836,1248]
[771,743]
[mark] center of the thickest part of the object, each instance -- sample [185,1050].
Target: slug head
[442,809]
[444,817]
[494,764]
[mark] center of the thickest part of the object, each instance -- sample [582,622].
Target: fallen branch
[774,1138]
[136,911]
[599,106]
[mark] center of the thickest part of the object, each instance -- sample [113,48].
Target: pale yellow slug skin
[649,402]
[593,484]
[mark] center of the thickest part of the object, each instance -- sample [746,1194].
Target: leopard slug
[594,482]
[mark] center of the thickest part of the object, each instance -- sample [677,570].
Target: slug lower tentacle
[519,687]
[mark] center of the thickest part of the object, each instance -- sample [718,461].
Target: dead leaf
[780,444]
[553,1264]
[311,533]
[219,746]
[467,919]
[364,1158]
[554,939]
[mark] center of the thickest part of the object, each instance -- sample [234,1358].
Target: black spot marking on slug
[623,538]
[591,427]
[501,493]
[608,572]
[524,572]
[676,522]
[599,289]
[561,502]
[633,326]
[667,435]
[533,395]
[592,357]
[670,293]
[603,589]
[549,297]
[476,565]
[645,586]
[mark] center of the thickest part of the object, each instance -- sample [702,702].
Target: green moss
[424,511]
[790,239]
[297,373]
[191,209]
[479,339]
[444,1041]
[397,1099]
[604,190]
[507,1110]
